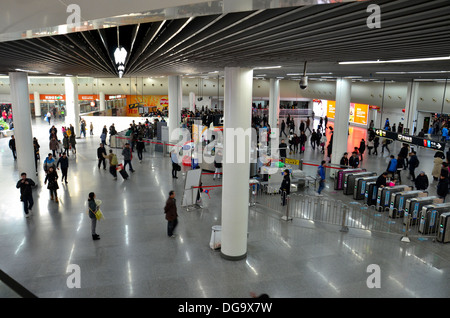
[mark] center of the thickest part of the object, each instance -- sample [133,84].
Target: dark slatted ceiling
[323,35]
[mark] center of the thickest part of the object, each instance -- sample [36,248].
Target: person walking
[140,145]
[37,157]
[49,162]
[442,187]
[413,164]
[113,162]
[392,166]
[83,128]
[436,172]
[400,165]
[104,134]
[370,145]
[54,146]
[285,188]
[66,144]
[64,162]
[384,145]
[101,153]
[52,179]
[93,208]
[127,157]
[376,143]
[303,139]
[321,176]
[218,165]
[12,146]
[170,211]
[72,141]
[26,194]
[91,129]
[175,166]
[362,148]
[283,127]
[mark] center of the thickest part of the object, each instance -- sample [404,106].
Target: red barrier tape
[316,165]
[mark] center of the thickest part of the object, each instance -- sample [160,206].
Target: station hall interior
[359,63]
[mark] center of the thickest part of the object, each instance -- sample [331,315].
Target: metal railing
[353,215]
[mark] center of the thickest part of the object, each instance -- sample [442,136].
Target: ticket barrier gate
[429,217]
[384,195]
[360,186]
[349,180]
[444,228]
[340,175]
[414,206]
[398,202]
[370,195]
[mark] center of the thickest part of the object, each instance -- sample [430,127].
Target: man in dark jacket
[442,187]
[382,180]
[127,156]
[26,195]
[64,162]
[403,154]
[171,214]
[413,164]
[12,146]
[362,148]
[285,187]
[421,181]
[354,160]
[100,152]
[282,148]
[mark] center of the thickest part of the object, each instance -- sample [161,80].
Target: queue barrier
[352,215]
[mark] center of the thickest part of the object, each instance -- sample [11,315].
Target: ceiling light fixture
[266,67]
[427,59]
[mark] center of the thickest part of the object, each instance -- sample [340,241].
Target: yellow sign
[291,161]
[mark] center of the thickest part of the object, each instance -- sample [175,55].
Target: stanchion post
[344,228]
[286,217]
[406,238]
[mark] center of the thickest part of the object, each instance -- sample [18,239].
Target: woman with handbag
[93,208]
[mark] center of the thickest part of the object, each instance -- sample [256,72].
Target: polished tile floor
[135,258]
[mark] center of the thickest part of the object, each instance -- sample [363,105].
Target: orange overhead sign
[331,108]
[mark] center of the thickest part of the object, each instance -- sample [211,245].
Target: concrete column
[236,161]
[22,124]
[340,138]
[72,106]
[192,101]
[102,101]
[175,104]
[37,104]
[274,103]
[412,96]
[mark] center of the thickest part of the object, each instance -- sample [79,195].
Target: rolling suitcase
[349,181]
[339,177]
[398,202]
[414,206]
[122,171]
[429,217]
[370,196]
[360,187]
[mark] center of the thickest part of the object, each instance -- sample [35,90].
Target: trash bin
[215,237]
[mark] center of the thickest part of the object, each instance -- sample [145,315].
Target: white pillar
[236,162]
[72,106]
[340,135]
[192,101]
[175,104]
[412,96]
[274,103]
[37,105]
[22,123]
[102,101]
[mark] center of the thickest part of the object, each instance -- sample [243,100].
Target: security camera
[304,82]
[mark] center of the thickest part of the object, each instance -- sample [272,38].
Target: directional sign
[421,142]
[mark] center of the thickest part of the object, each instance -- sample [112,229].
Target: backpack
[114,161]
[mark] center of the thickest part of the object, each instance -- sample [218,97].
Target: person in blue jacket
[321,173]
[392,166]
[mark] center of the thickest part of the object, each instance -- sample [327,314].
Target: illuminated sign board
[421,142]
